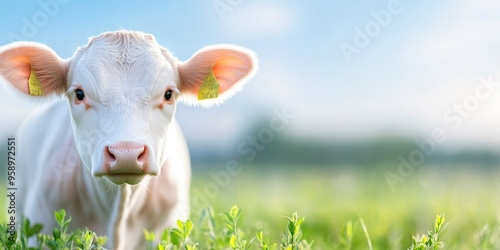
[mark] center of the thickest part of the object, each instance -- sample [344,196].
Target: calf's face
[122,89]
[122,100]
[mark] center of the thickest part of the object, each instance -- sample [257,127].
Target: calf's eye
[168,95]
[79,94]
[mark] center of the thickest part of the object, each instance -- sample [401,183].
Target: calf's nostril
[126,154]
[126,158]
[110,156]
[142,156]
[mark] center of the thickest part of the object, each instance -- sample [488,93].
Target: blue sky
[416,67]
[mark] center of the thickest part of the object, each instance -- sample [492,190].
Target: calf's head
[122,89]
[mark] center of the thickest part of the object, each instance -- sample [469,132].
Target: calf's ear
[33,69]
[216,73]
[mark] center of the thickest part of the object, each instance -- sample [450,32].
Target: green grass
[60,238]
[347,209]
[331,199]
[213,236]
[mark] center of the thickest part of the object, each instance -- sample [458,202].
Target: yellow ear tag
[34,85]
[209,88]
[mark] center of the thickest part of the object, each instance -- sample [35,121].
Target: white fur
[124,76]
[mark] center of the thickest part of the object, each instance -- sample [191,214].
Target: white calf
[124,165]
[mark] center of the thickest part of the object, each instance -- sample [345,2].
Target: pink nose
[126,158]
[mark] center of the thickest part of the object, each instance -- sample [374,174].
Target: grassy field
[328,199]
[331,198]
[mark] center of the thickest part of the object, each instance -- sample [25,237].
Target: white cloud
[450,54]
[465,32]
[260,19]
